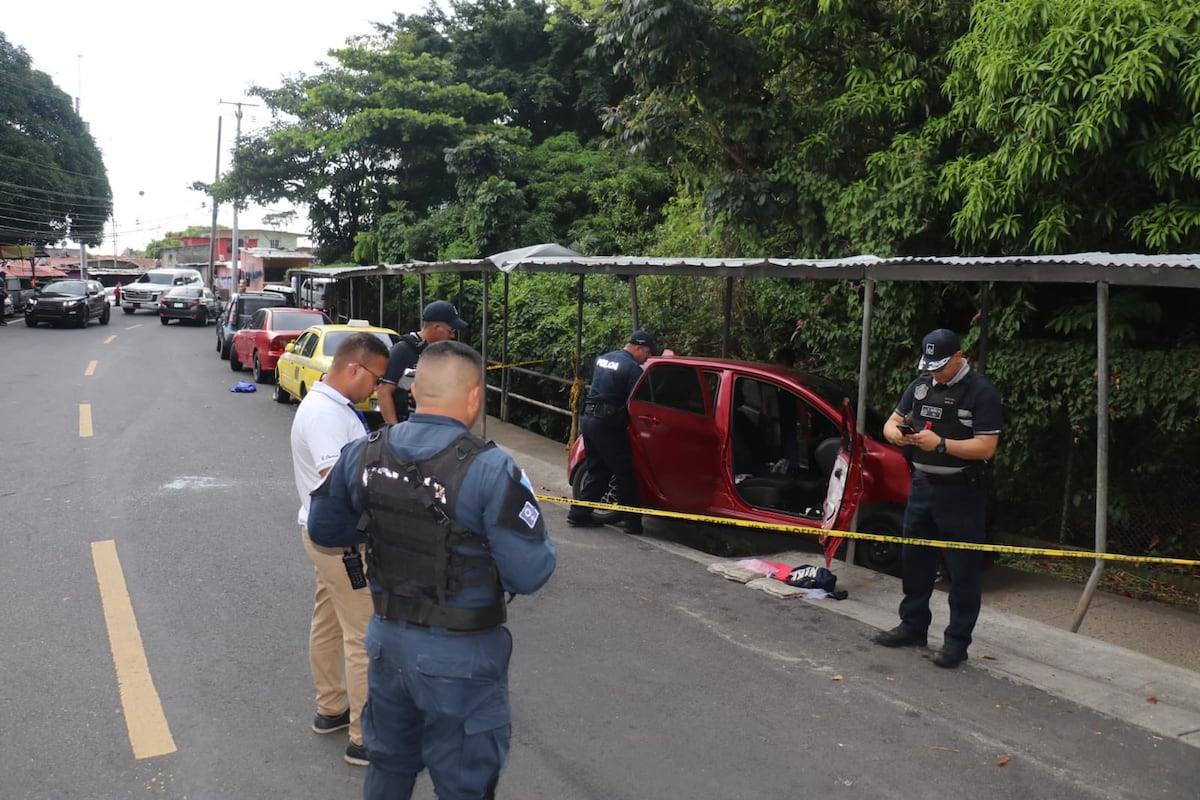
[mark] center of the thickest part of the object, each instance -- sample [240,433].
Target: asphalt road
[635,675]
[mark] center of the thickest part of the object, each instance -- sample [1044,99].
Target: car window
[65,287]
[258,321]
[673,386]
[334,338]
[310,345]
[297,320]
[183,291]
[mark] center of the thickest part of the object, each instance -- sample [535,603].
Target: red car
[260,343]
[761,443]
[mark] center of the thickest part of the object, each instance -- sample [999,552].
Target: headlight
[71,303]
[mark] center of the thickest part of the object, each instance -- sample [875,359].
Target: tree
[53,184]
[1081,120]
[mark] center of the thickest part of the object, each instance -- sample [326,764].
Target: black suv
[68,301]
[237,313]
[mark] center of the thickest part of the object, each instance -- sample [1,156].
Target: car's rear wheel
[202,318]
[225,349]
[602,516]
[881,556]
[303,391]
[260,375]
[280,396]
[234,364]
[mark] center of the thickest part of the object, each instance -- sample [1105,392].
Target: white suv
[153,284]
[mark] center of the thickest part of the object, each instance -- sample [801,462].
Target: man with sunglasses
[325,422]
[439,322]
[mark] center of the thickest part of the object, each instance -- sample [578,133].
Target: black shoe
[586,522]
[900,636]
[356,755]
[949,657]
[326,724]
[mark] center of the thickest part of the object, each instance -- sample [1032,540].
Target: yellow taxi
[306,360]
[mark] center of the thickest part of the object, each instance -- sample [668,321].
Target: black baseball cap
[937,348]
[645,339]
[443,311]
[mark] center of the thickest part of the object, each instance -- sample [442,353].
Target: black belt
[422,613]
[602,410]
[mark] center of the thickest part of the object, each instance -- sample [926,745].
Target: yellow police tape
[521,363]
[875,537]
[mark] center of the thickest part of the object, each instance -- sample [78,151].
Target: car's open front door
[845,485]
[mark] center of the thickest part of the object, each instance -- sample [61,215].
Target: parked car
[192,302]
[150,286]
[760,443]
[237,313]
[306,360]
[20,290]
[261,342]
[68,301]
[283,289]
[314,293]
[7,311]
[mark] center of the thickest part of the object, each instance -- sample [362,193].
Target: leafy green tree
[53,184]
[1082,125]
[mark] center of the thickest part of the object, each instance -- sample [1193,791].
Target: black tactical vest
[939,405]
[412,542]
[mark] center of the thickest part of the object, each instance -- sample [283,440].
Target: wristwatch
[941,446]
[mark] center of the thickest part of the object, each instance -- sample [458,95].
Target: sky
[153,78]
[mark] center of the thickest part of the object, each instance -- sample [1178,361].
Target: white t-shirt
[325,422]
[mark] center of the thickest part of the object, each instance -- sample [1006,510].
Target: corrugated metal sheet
[1115,268]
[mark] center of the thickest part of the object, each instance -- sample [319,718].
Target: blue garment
[438,700]
[613,378]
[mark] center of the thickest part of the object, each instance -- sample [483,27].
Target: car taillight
[279,342]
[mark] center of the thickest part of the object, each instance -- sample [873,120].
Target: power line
[48,166]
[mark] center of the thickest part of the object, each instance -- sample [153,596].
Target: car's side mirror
[290,347]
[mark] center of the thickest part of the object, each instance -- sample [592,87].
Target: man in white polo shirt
[325,423]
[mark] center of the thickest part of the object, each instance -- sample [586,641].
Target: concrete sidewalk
[1133,660]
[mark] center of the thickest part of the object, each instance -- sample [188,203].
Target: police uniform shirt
[324,423]
[495,502]
[614,377]
[403,356]
[979,410]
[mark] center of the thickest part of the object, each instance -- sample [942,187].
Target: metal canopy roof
[1129,269]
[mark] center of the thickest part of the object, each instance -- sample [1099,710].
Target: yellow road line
[91,369]
[109,340]
[131,327]
[85,420]
[149,733]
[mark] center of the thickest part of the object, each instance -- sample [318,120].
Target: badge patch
[530,514]
[931,412]
[921,391]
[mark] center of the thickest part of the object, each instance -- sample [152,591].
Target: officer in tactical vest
[439,322]
[451,526]
[951,417]
[605,437]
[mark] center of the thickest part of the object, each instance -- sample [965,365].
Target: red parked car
[761,443]
[260,343]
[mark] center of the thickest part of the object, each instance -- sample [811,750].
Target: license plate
[177,305]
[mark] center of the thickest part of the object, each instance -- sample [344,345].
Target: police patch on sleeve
[530,514]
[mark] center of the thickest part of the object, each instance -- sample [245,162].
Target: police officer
[439,322]
[951,415]
[451,524]
[605,438]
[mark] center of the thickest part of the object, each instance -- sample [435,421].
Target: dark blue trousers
[436,702]
[609,456]
[952,511]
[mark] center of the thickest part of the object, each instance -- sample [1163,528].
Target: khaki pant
[335,641]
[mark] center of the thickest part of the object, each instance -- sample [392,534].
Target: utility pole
[237,138]
[212,238]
